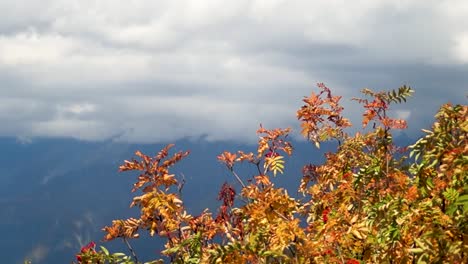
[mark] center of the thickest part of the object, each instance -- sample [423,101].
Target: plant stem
[131,249]
[238,178]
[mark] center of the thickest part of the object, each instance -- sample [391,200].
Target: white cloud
[38,253]
[80,129]
[162,70]
[78,109]
[461,47]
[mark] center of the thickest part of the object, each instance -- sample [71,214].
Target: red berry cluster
[91,247]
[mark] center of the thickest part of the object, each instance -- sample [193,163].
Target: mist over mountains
[57,194]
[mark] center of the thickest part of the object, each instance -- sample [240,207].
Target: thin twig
[131,249]
[280,215]
[237,177]
[257,164]
[181,184]
[339,254]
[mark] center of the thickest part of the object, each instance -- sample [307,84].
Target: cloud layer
[147,71]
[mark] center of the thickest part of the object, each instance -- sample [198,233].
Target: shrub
[369,202]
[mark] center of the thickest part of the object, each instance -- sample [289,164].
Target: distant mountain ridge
[58,193]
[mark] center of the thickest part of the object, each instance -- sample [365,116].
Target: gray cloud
[149,71]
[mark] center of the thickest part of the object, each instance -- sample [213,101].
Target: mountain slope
[56,194]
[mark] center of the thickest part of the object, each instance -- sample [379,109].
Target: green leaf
[422,259]
[430,183]
[105,250]
[463,201]
[416,250]
[450,194]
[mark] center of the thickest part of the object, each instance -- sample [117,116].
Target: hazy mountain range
[57,194]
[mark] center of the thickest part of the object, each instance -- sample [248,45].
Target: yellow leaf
[357,234]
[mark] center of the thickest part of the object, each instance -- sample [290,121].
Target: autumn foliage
[369,202]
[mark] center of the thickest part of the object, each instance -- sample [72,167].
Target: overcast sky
[152,71]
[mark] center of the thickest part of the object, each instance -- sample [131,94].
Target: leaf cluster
[369,202]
